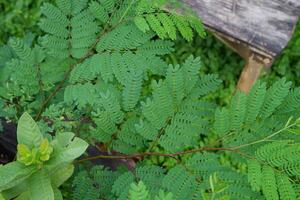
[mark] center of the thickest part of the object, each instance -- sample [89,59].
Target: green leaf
[168,25]
[13,173]
[183,26]
[72,150]
[17,190]
[24,155]
[63,139]
[141,23]
[285,187]
[138,192]
[28,132]
[40,186]
[294,131]
[66,149]
[164,196]
[197,25]
[269,187]
[61,175]
[57,194]
[23,196]
[254,174]
[156,26]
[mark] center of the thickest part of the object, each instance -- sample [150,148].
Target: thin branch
[53,94]
[147,154]
[154,143]
[174,155]
[126,11]
[40,81]
[266,138]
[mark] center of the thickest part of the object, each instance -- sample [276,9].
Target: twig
[57,89]
[126,11]
[40,82]
[154,143]
[146,154]
[266,138]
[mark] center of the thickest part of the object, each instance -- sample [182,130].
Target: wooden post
[258,30]
[250,74]
[255,62]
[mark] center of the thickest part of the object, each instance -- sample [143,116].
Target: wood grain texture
[265,25]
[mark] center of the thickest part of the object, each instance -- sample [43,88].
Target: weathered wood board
[265,25]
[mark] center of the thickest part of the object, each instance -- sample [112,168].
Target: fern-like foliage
[138,192]
[99,70]
[251,116]
[23,64]
[165,23]
[291,103]
[193,181]
[122,185]
[73,32]
[259,131]
[169,110]
[274,184]
[172,110]
[84,188]
[274,97]
[71,28]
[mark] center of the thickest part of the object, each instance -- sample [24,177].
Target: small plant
[100,71]
[41,166]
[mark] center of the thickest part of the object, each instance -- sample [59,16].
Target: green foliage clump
[17,17]
[216,59]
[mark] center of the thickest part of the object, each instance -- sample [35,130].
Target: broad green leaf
[61,175]
[23,196]
[28,132]
[63,139]
[17,190]
[66,149]
[13,174]
[40,186]
[1,197]
[75,149]
[70,147]
[57,194]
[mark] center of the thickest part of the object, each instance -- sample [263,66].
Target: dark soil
[8,142]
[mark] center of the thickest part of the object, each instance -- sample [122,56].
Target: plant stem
[154,143]
[126,11]
[266,138]
[57,89]
[146,154]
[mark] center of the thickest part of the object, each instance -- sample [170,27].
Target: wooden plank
[265,25]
